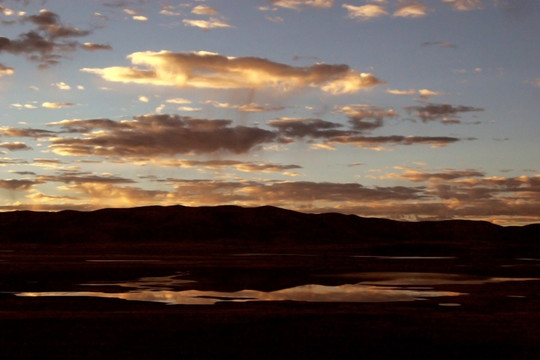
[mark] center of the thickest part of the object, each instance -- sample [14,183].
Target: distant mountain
[264,225]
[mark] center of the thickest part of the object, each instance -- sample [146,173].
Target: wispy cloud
[251,107]
[56,105]
[432,112]
[299,4]
[465,5]
[444,44]
[382,142]
[212,23]
[366,117]
[305,127]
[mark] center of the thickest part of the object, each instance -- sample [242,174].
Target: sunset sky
[403,109]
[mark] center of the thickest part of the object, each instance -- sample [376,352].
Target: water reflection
[307,293]
[406,257]
[153,283]
[425,279]
[375,287]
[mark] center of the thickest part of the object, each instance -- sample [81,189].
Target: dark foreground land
[491,311]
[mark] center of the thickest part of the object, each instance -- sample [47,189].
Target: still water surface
[369,287]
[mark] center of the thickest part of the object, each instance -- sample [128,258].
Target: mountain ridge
[264,224]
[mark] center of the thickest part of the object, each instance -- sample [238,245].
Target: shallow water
[373,287]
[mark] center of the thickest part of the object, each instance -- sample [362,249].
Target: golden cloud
[214,71]
[365,12]
[213,23]
[410,8]
[465,5]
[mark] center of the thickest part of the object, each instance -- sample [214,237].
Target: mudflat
[239,297]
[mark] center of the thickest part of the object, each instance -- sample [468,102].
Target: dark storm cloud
[151,135]
[48,42]
[432,112]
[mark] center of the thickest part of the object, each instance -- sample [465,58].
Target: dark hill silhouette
[263,225]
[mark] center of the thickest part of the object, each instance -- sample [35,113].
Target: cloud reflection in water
[376,287]
[151,289]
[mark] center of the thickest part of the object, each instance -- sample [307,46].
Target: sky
[402,109]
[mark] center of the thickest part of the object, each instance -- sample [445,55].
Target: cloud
[305,127]
[6,70]
[189,109]
[88,46]
[365,12]
[432,112]
[12,146]
[215,71]
[366,117]
[212,23]
[275,19]
[401,92]
[56,105]
[426,93]
[151,135]
[62,85]
[299,4]
[379,142]
[465,5]
[444,44]
[203,10]
[421,176]
[47,42]
[73,177]
[178,101]
[29,132]
[25,106]
[49,22]
[296,195]
[11,184]
[410,8]
[251,107]
[218,164]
